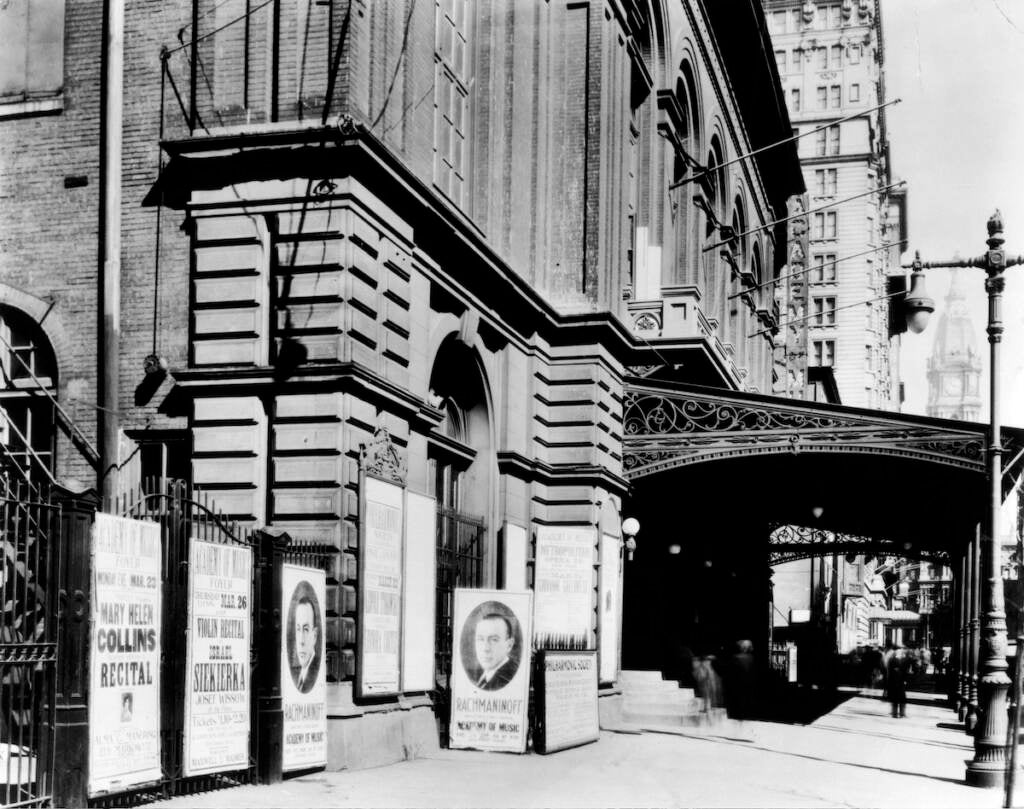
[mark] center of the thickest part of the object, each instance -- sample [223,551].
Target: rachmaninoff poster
[303,667]
[217,687]
[490,670]
[380,588]
[564,586]
[124,664]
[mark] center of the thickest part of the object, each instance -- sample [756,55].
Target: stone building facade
[442,230]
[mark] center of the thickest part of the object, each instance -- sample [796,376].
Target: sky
[957,138]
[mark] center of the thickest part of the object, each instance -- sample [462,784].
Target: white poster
[217,687]
[514,560]
[608,613]
[563,586]
[380,588]
[124,664]
[491,670]
[420,592]
[303,667]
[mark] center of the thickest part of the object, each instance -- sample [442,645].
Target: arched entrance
[714,472]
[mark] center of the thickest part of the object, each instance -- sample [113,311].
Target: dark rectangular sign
[566,693]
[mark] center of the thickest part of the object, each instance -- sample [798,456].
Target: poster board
[217,658]
[124,662]
[563,584]
[490,670]
[514,556]
[566,692]
[303,667]
[420,602]
[380,588]
[608,610]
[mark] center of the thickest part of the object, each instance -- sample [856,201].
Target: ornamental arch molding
[667,426]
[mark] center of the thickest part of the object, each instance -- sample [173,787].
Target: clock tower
[954,369]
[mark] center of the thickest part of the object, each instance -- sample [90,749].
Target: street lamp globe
[917,305]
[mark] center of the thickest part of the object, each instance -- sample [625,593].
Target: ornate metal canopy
[787,543]
[669,425]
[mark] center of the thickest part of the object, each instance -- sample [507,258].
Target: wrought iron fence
[459,564]
[183,517]
[29,525]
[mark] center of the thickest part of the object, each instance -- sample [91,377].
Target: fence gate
[181,519]
[29,550]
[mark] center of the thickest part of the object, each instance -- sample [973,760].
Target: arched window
[29,380]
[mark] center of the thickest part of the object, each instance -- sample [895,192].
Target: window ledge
[37,106]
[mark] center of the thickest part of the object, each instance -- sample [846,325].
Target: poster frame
[283,600]
[359,686]
[461,686]
[93,790]
[541,724]
[191,641]
[585,617]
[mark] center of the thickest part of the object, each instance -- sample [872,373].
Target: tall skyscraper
[830,57]
[954,368]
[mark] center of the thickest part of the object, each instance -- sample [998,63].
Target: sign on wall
[608,612]
[380,588]
[563,586]
[303,669]
[490,670]
[420,592]
[124,664]
[514,547]
[567,714]
[217,687]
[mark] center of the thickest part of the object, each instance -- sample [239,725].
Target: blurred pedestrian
[740,685]
[706,681]
[896,682]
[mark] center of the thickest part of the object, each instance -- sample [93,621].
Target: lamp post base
[984,774]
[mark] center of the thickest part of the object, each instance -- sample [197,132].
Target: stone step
[679,698]
[682,707]
[635,676]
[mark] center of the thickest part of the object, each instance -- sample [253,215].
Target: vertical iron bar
[193,68]
[275,60]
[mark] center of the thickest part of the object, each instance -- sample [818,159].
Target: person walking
[896,682]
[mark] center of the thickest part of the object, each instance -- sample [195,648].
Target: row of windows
[825,225]
[826,141]
[823,58]
[792,21]
[826,96]
[825,181]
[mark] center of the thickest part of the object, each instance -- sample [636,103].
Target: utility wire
[398,65]
[829,125]
[767,225]
[828,312]
[208,34]
[831,263]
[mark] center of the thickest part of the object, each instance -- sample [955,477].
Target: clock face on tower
[952,385]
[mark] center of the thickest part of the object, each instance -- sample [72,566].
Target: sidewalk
[856,755]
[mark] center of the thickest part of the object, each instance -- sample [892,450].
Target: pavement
[854,755]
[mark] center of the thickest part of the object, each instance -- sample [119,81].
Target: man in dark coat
[494,646]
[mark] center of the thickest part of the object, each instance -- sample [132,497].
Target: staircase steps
[651,702]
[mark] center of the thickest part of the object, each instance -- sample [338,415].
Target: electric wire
[831,263]
[825,312]
[217,30]
[398,65]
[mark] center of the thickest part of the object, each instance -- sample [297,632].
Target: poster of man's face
[491,646]
[303,636]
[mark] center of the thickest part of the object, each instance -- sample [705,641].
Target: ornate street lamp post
[989,764]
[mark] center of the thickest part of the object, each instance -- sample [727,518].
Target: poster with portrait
[303,669]
[608,613]
[124,663]
[564,585]
[217,686]
[490,670]
[380,588]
